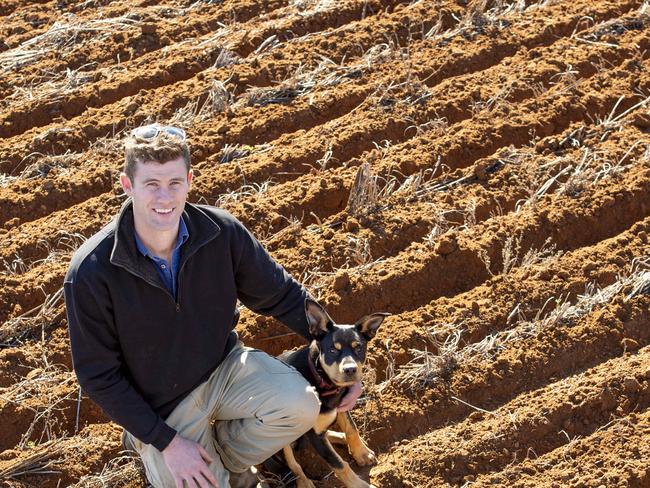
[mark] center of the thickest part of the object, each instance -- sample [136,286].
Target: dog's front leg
[336,437]
[301,480]
[341,468]
[361,453]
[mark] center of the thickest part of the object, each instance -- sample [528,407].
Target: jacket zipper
[180,273]
[176,301]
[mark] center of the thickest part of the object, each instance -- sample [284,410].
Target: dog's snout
[350,370]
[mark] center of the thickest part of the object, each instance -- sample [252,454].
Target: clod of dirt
[480,171]
[641,120]
[341,280]
[446,245]
[148,28]
[631,384]
[629,344]
[352,225]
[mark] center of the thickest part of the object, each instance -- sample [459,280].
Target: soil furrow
[488,308]
[266,70]
[615,455]
[315,255]
[496,184]
[424,66]
[351,135]
[25,300]
[556,351]
[47,401]
[522,294]
[458,258]
[539,422]
[169,71]
[67,460]
[154,29]
[158,104]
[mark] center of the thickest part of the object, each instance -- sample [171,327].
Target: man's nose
[164,193]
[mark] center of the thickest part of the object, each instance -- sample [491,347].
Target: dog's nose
[350,370]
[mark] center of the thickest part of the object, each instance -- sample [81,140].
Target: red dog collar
[324,388]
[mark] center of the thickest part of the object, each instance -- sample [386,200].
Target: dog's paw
[304,483]
[364,457]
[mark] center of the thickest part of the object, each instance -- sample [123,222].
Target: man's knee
[301,407]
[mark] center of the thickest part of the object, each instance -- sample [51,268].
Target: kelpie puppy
[332,362]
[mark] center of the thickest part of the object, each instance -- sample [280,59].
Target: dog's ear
[317,318]
[369,324]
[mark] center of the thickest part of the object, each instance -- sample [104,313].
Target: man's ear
[369,324]
[317,318]
[127,186]
[190,175]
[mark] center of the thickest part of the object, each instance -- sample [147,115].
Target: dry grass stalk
[426,367]
[440,226]
[495,101]
[63,34]
[117,473]
[245,191]
[312,7]
[231,152]
[370,192]
[596,166]
[511,257]
[217,100]
[52,87]
[359,250]
[566,313]
[365,191]
[41,460]
[41,387]
[50,311]
[39,166]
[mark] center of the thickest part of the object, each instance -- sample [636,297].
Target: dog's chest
[324,420]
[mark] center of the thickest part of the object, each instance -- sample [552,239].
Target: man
[151,302]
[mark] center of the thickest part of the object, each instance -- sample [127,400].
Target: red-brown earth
[480,170]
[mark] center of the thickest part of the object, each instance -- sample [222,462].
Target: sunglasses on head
[151,131]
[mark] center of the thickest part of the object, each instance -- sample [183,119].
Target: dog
[331,363]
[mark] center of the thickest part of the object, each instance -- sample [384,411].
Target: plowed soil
[480,170]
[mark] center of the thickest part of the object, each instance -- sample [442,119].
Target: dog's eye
[334,350]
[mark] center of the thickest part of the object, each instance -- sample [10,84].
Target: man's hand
[350,399]
[188,462]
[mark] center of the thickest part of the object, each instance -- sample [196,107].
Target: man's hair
[160,149]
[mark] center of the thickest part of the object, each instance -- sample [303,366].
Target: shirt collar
[183,235]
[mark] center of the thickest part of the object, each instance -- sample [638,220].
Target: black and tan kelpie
[331,363]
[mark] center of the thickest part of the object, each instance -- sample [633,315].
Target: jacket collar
[202,229]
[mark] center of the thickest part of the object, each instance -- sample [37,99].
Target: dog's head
[342,348]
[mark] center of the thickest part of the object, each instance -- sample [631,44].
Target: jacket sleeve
[97,361]
[264,286]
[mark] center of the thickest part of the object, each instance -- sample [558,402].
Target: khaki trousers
[258,405]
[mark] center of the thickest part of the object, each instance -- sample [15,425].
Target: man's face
[159,192]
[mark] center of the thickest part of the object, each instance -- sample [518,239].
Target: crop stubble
[502,217]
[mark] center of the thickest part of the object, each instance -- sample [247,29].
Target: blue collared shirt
[169,274]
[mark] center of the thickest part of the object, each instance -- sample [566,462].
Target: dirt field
[479,170]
